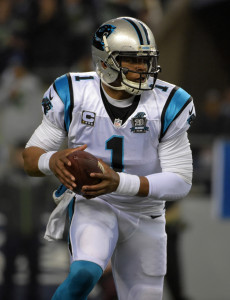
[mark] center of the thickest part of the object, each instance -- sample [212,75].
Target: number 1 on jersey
[116,145]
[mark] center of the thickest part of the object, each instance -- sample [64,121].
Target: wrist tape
[44,163]
[129,184]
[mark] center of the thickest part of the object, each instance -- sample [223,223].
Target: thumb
[81,148]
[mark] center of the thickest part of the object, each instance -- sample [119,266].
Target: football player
[137,125]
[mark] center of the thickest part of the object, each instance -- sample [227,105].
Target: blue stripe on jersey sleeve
[176,104]
[62,88]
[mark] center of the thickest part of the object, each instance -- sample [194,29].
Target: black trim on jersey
[71,97]
[154,217]
[78,78]
[70,221]
[137,30]
[122,113]
[162,133]
[55,88]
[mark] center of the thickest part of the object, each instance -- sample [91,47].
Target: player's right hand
[57,165]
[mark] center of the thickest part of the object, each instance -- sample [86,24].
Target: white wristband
[129,184]
[44,161]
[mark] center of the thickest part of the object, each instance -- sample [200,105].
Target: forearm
[46,139]
[175,181]
[31,156]
[144,187]
[160,186]
[166,186]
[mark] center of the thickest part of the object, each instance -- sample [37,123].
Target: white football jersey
[74,102]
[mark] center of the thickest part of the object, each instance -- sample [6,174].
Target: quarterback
[137,126]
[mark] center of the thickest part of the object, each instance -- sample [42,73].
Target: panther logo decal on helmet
[106,29]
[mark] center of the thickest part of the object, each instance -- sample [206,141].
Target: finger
[65,180]
[68,174]
[61,165]
[66,160]
[65,183]
[95,187]
[98,175]
[83,147]
[65,175]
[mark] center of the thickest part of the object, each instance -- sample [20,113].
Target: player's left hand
[109,183]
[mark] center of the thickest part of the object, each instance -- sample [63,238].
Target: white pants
[136,245]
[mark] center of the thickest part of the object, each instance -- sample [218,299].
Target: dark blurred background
[43,39]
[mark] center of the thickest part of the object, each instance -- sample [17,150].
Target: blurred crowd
[40,40]
[54,35]
[211,125]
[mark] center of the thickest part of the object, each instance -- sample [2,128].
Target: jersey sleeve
[57,103]
[177,115]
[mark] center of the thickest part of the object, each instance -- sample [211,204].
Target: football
[82,164]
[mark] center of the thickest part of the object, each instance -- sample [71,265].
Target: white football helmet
[119,37]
